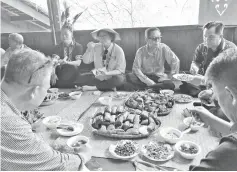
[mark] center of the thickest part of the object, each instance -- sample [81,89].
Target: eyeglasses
[156,38]
[104,55]
[41,67]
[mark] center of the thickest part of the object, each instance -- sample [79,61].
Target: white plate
[75,95]
[178,97]
[143,150]
[186,77]
[112,151]
[50,125]
[78,127]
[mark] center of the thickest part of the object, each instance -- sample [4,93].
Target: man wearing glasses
[24,87]
[148,67]
[213,44]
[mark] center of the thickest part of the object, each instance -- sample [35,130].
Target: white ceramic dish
[183,77]
[171,155]
[51,122]
[164,132]
[53,90]
[187,122]
[112,148]
[167,92]
[75,95]
[71,141]
[105,100]
[187,155]
[78,127]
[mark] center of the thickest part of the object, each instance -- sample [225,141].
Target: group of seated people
[28,74]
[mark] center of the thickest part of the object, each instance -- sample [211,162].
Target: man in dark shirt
[213,44]
[222,75]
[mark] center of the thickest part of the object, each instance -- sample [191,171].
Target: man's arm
[197,59]
[213,121]
[223,158]
[137,70]
[22,150]
[88,56]
[171,59]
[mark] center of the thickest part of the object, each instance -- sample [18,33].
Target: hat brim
[94,34]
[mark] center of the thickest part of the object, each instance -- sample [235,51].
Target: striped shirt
[23,150]
[153,64]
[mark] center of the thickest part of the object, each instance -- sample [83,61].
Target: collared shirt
[153,64]
[115,57]
[6,56]
[203,56]
[22,150]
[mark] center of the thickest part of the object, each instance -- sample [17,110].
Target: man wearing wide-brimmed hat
[109,61]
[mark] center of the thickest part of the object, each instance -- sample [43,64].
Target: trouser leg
[108,85]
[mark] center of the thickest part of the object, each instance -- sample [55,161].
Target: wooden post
[55,19]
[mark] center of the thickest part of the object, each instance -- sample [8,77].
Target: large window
[132,13]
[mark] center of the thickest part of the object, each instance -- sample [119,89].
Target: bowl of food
[49,99]
[105,100]
[63,95]
[52,122]
[77,141]
[193,122]
[170,135]
[158,151]
[167,92]
[75,95]
[124,149]
[187,149]
[53,90]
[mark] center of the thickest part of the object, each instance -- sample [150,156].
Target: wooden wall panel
[183,40]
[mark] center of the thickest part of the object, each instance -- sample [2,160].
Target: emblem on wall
[221,5]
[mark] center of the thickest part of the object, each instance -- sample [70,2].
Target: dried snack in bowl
[126,148]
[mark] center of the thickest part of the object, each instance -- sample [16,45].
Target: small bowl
[72,142]
[187,122]
[53,90]
[167,92]
[105,100]
[52,122]
[187,155]
[164,132]
[75,95]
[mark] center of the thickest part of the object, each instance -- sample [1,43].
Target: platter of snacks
[150,102]
[187,149]
[157,151]
[124,149]
[49,99]
[116,122]
[183,98]
[183,77]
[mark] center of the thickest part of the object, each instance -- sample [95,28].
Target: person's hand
[100,77]
[78,57]
[163,77]
[151,82]
[202,113]
[197,80]
[194,69]
[84,152]
[205,95]
[91,45]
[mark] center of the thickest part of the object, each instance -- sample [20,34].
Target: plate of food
[183,77]
[158,151]
[52,122]
[69,128]
[183,98]
[63,95]
[124,149]
[49,99]
[150,102]
[120,96]
[187,149]
[117,122]
[77,141]
[194,123]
